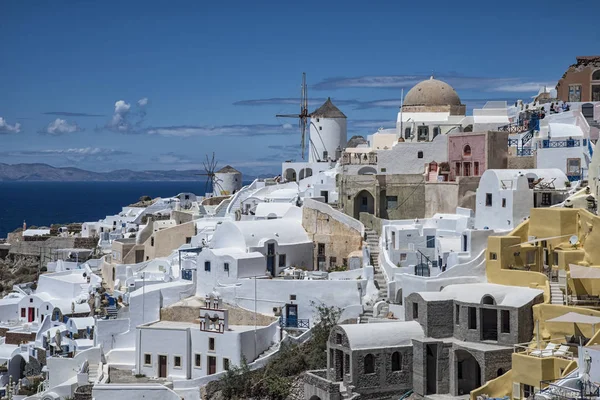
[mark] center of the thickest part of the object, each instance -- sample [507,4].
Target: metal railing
[526,138]
[294,323]
[550,144]
[524,152]
[513,142]
[513,128]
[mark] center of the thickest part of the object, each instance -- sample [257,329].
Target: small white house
[180,350]
[504,197]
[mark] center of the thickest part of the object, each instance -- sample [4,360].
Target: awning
[582,272]
[576,318]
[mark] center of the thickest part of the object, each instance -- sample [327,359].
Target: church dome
[432,92]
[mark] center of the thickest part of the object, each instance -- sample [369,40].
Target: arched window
[596,75]
[396,361]
[369,364]
[467,151]
[487,299]
[420,154]
[500,372]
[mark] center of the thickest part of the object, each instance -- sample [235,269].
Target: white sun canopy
[576,318]
[582,272]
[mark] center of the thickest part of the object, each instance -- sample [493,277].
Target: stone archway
[290,175]
[315,398]
[363,202]
[467,372]
[16,367]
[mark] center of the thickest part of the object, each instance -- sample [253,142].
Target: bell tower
[213,318]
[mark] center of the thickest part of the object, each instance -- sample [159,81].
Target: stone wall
[85,243]
[19,337]
[339,238]
[237,316]
[515,162]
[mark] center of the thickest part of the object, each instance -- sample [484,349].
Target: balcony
[514,128]
[359,158]
[553,144]
[525,152]
[544,349]
[294,323]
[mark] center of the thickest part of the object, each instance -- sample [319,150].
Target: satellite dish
[573,240]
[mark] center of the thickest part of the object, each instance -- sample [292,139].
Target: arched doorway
[308,172]
[16,366]
[363,202]
[468,372]
[290,175]
[315,398]
[399,297]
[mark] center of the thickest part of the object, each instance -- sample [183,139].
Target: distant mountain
[45,172]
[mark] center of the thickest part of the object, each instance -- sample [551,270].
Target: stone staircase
[380,282]
[92,373]
[556,294]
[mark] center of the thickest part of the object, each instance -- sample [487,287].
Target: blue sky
[157,85]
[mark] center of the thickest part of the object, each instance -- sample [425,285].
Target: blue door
[291,315]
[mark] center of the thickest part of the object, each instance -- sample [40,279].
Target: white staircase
[93,373]
[380,282]
[556,294]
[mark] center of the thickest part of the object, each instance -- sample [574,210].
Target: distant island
[48,173]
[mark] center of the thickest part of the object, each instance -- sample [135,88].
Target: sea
[46,203]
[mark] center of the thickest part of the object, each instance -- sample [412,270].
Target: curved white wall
[332,135]
[228,183]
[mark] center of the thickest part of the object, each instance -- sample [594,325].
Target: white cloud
[125,119]
[143,102]
[60,127]
[224,130]
[6,128]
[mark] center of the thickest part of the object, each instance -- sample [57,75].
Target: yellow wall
[558,330]
[499,387]
[167,240]
[531,370]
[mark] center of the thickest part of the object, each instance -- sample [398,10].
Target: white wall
[149,391]
[403,157]
[276,293]
[519,201]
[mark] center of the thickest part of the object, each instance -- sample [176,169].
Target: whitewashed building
[504,197]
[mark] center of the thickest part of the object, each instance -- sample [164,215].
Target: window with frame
[396,361]
[369,364]
[23,313]
[392,202]
[467,151]
[198,360]
[406,133]
[402,256]
[527,391]
[415,308]
[476,168]
[457,168]
[225,364]
[226,267]
[457,315]
[472,318]
[207,266]
[188,240]
[488,199]
[211,344]
[493,256]
[546,199]
[147,359]
[574,166]
[321,249]
[177,361]
[419,154]
[430,242]
[282,260]
[505,321]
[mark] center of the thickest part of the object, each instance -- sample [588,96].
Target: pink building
[470,154]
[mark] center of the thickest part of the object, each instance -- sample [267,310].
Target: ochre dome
[432,92]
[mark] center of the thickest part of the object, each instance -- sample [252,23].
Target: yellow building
[556,250]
